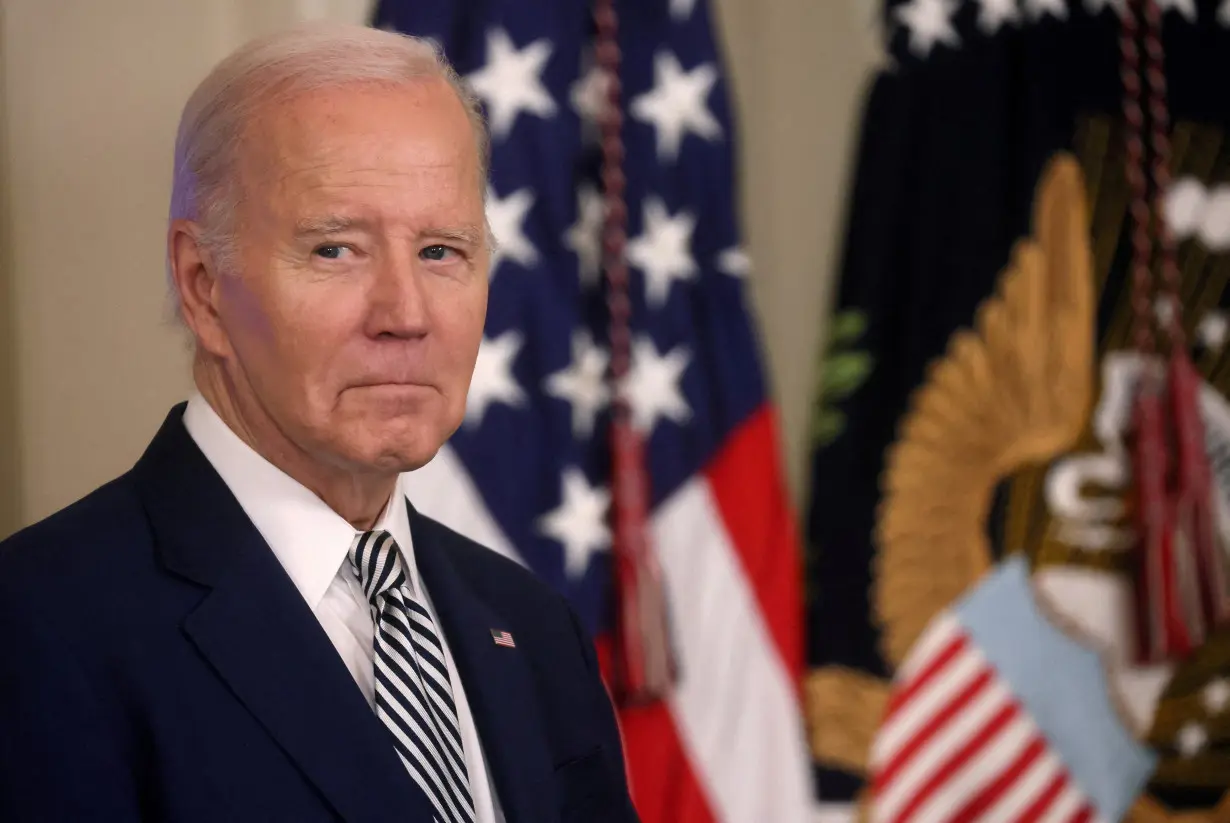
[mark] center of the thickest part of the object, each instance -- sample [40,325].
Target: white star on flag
[511,81]
[1098,6]
[1215,696]
[994,14]
[651,386]
[1164,309]
[663,250]
[1191,739]
[682,9]
[506,216]
[929,22]
[1187,8]
[676,104]
[584,237]
[579,522]
[1184,207]
[589,97]
[1212,329]
[735,263]
[1038,9]
[493,380]
[1214,230]
[581,384]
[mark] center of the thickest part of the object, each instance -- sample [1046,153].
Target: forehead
[384,147]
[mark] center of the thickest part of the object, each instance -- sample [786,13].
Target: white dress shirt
[312,542]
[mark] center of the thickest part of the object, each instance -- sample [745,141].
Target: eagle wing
[1014,390]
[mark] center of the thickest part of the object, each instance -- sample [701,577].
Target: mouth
[393,386]
[392,398]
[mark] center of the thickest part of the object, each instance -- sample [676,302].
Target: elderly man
[254,623]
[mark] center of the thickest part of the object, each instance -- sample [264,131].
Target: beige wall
[799,69]
[10,501]
[89,94]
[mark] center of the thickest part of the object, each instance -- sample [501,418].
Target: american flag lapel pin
[503,638]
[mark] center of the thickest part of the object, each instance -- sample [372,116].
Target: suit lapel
[497,680]
[261,638]
[258,633]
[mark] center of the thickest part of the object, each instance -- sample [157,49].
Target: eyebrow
[333,224]
[327,224]
[467,235]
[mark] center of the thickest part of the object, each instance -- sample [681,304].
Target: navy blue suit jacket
[157,663]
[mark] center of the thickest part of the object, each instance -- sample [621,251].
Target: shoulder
[484,568]
[510,588]
[80,543]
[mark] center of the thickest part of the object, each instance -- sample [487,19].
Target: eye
[437,252]
[330,252]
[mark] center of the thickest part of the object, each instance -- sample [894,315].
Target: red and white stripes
[956,746]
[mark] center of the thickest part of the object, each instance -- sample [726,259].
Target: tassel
[1196,502]
[644,661]
[1181,574]
[1161,635]
[645,665]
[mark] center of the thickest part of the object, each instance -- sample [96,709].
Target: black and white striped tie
[414,697]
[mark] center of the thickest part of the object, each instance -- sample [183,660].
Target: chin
[389,437]
[408,460]
[395,452]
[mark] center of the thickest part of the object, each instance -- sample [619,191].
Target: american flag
[529,472]
[997,715]
[503,638]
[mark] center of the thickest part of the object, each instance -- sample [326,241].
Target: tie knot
[377,563]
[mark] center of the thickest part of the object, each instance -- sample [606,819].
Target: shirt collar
[310,540]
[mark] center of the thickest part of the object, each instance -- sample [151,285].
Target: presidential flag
[975,100]
[531,473]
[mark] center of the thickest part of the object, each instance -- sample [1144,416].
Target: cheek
[460,328]
[246,314]
[320,335]
[289,334]
[471,318]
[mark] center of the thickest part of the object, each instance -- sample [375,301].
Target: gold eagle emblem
[1010,396]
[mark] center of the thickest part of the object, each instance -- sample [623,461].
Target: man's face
[357,310]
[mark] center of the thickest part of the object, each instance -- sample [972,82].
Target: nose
[398,305]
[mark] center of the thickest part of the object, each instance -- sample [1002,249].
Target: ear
[196,278]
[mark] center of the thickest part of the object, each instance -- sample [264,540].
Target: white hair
[293,61]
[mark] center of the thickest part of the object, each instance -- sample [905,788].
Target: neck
[358,496]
